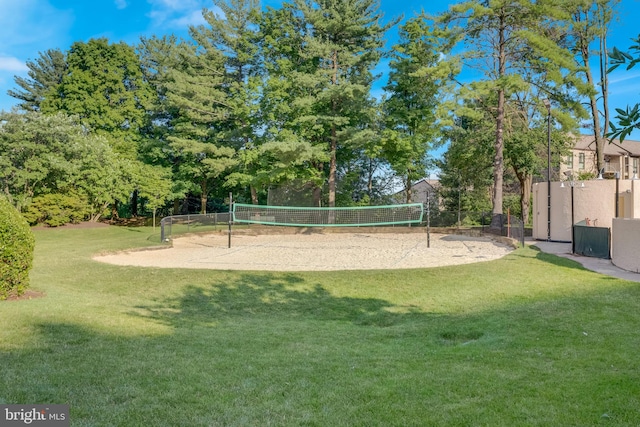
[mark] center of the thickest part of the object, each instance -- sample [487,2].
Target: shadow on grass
[280,349]
[285,352]
[553,259]
[281,296]
[252,370]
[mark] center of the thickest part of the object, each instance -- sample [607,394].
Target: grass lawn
[531,339]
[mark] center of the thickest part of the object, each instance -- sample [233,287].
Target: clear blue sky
[28,27]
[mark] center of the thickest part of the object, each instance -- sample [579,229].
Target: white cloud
[179,14]
[121,4]
[32,24]
[194,18]
[176,4]
[9,63]
[624,88]
[621,75]
[26,28]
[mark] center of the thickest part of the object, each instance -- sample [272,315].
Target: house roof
[614,148]
[435,183]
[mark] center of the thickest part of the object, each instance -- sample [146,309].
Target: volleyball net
[359,216]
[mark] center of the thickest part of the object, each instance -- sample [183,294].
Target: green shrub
[16,251]
[56,209]
[585,176]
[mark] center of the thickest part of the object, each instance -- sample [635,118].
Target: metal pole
[617,193]
[573,221]
[428,220]
[230,216]
[548,105]
[459,190]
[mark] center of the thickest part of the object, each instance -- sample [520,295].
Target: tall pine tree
[416,78]
[504,37]
[235,32]
[344,39]
[291,151]
[45,73]
[195,91]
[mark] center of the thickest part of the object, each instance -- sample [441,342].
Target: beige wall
[596,201]
[625,237]
[635,199]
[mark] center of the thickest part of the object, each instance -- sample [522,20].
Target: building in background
[419,191]
[618,157]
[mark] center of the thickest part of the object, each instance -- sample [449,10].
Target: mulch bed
[27,295]
[126,222]
[84,224]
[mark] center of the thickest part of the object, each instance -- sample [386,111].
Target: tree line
[282,97]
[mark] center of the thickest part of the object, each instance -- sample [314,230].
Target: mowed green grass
[530,339]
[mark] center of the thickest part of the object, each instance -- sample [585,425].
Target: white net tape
[325,217]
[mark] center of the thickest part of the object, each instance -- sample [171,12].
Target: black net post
[230,216]
[428,219]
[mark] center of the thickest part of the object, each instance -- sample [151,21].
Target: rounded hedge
[56,209]
[16,251]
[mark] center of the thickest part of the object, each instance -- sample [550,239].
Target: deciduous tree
[104,87]
[54,154]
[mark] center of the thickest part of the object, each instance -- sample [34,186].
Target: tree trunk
[370,181]
[134,203]
[498,160]
[334,137]
[254,195]
[114,211]
[409,189]
[498,164]
[317,190]
[604,86]
[595,115]
[598,132]
[96,216]
[332,169]
[203,196]
[317,194]
[526,181]
[332,176]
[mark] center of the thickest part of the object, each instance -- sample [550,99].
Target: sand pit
[315,252]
